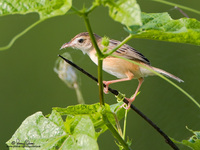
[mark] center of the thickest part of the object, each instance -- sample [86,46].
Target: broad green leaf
[82,134]
[126,12]
[45,8]
[95,113]
[38,132]
[193,142]
[160,26]
[81,109]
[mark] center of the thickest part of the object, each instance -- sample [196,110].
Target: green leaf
[118,110]
[50,133]
[38,130]
[95,113]
[81,109]
[193,142]
[160,26]
[82,134]
[126,12]
[45,8]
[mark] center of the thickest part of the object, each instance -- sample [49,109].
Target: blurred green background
[28,83]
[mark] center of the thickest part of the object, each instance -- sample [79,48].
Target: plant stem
[20,34]
[76,10]
[89,29]
[118,46]
[180,6]
[100,81]
[100,56]
[79,95]
[125,120]
[118,125]
[89,10]
[115,133]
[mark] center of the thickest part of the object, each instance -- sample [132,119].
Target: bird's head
[81,41]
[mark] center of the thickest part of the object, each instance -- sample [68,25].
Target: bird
[124,70]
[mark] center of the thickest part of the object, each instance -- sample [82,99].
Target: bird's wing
[128,52]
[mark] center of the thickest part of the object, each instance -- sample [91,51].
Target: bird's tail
[167,74]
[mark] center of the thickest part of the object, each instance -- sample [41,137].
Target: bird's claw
[105,88]
[126,107]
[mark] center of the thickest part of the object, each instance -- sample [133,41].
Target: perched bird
[122,69]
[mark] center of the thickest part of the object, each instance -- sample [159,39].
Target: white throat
[93,57]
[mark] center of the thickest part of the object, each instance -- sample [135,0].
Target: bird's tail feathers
[167,74]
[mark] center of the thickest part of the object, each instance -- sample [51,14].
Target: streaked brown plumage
[120,68]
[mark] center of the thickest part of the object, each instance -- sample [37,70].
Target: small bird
[122,69]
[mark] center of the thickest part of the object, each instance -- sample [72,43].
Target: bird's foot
[127,106]
[106,88]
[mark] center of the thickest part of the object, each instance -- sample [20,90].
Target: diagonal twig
[115,92]
[181,11]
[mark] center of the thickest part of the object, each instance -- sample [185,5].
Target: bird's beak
[65,45]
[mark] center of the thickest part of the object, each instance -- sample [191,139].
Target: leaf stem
[125,120]
[118,125]
[76,10]
[115,133]
[118,46]
[180,6]
[79,94]
[20,34]
[89,10]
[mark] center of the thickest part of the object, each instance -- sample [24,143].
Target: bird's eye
[80,40]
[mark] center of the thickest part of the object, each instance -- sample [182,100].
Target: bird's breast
[117,67]
[120,68]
